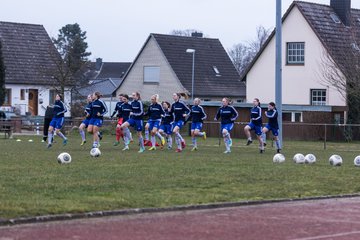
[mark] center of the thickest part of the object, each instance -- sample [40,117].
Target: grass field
[33,183]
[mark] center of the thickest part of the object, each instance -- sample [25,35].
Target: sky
[117,29]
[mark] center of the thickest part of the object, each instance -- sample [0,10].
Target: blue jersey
[155,112]
[273,118]
[117,110]
[197,114]
[167,118]
[137,110]
[59,109]
[228,114]
[99,109]
[87,110]
[255,116]
[125,110]
[178,109]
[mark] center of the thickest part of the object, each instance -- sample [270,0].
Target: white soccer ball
[299,158]
[357,161]
[278,158]
[95,152]
[64,158]
[310,158]
[335,160]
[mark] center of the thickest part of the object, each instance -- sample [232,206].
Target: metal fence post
[325,137]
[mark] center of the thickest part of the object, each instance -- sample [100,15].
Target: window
[151,74]
[295,53]
[318,97]
[292,116]
[217,72]
[7,101]
[52,95]
[22,94]
[335,18]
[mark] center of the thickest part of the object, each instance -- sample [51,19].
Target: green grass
[33,183]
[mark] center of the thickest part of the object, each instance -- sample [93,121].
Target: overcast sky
[117,29]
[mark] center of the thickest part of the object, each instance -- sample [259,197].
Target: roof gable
[113,70]
[28,53]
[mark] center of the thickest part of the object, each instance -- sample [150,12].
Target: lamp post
[190,50]
[278,68]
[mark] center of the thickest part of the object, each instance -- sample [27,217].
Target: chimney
[98,64]
[197,34]
[343,9]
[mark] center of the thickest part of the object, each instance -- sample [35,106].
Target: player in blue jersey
[99,109]
[118,132]
[166,121]
[155,112]
[228,115]
[272,125]
[255,124]
[135,120]
[197,115]
[85,123]
[180,111]
[125,110]
[57,120]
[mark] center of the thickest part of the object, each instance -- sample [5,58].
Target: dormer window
[216,70]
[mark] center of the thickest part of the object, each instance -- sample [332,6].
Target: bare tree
[243,53]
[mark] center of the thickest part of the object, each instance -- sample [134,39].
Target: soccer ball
[64,158]
[299,158]
[95,152]
[335,160]
[357,161]
[278,158]
[310,158]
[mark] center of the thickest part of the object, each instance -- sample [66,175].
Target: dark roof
[113,70]
[105,87]
[209,53]
[336,37]
[28,53]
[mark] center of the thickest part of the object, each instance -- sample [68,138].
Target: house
[28,54]
[165,63]
[104,77]
[312,36]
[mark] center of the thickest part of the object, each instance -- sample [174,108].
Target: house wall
[134,81]
[296,80]
[43,98]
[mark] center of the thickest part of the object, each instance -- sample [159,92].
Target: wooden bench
[7,127]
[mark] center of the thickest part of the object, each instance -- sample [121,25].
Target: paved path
[307,220]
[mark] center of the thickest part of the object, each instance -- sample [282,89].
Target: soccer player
[85,123]
[155,112]
[272,125]
[57,120]
[125,111]
[255,124]
[198,115]
[135,120]
[180,111]
[49,113]
[228,115]
[118,112]
[166,121]
[99,109]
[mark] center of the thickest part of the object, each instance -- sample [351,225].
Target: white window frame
[151,74]
[295,53]
[319,101]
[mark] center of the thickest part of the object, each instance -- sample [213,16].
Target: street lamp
[190,50]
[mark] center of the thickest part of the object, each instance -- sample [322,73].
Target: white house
[28,54]
[312,34]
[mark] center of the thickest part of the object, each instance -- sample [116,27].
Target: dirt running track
[307,220]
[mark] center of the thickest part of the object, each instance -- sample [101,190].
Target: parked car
[4,115]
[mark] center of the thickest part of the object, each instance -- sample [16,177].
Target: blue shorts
[275,131]
[197,125]
[86,122]
[57,123]
[136,124]
[96,122]
[228,126]
[179,124]
[167,128]
[154,124]
[257,128]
